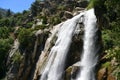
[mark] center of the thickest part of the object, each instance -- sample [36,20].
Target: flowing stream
[89,58]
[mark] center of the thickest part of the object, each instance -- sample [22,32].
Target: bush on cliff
[5,45]
[26,38]
[109,10]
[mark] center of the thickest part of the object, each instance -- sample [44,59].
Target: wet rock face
[74,52]
[72,64]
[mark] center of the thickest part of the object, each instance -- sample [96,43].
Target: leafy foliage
[8,13]
[91,4]
[35,8]
[26,38]
[109,9]
[5,45]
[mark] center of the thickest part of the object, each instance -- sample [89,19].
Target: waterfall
[54,66]
[90,54]
[56,60]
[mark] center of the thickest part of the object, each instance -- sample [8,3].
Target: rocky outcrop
[72,71]
[11,62]
[105,74]
[42,59]
[68,14]
[22,65]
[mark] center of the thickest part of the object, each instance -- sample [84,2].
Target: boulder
[68,14]
[24,68]
[72,71]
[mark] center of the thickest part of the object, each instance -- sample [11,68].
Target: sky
[16,5]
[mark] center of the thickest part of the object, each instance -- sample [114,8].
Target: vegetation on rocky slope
[24,25]
[50,13]
[108,13]
[5,44]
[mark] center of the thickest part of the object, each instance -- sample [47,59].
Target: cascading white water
[90,49]
[56,59]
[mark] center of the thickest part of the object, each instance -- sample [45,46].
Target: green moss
[106,65]
[91,4]
[95,3]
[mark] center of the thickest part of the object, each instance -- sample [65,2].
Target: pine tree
[8,14]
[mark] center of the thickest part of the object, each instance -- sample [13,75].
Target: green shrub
[44,18]
[96,3]
[4,32]
[4,22]
[26,38]
[55,20]
[106,65]
[5,45]
[110,33]
[117,74]
[43,26]
[107,40]
[29,24]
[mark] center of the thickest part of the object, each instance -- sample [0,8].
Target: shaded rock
[79,9]
[13,70]
[76,47]
[24,69]
[68,14]
[72,71]
[102,74]
[82,3]
[39,32]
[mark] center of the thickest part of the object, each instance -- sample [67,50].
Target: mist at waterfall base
[54,68]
